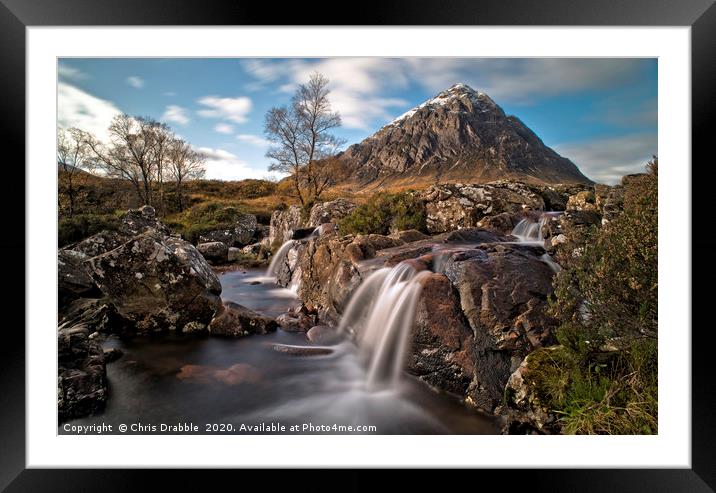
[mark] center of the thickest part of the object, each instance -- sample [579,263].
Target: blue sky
[601,113]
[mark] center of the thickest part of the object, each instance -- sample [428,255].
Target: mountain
[459,135]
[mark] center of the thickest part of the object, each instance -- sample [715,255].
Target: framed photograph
[437,238]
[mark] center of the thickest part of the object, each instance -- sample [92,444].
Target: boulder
[330,212]
[582,201]
[323,335]
[137,221]
[157,283]
[328,267]
[454,206]
[502,223]
[246,227]
[295,322]
[471,235]
[96,314]
[82,376]
[216,252]
[73,280]
[523,412]
[442,341]
[233,254]
[301,350]
[503,291]
[253,249]
[325,228]
[100,243]
[234,320]
[194,328]
[242,233]
[409,236]
[283,223]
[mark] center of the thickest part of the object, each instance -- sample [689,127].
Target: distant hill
[459,135]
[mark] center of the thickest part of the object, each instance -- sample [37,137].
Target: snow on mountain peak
[455,91]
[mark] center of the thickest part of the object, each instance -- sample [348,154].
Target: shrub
[603,376]
[202,218]
[78,227]
[385,213]
[614,281]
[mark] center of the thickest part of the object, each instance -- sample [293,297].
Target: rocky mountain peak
[458,98]
[458,135]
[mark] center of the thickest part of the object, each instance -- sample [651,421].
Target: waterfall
[279,258]
[380,315]
[528,231]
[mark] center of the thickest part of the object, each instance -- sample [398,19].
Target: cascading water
[279,258]
[280,255]
[528,231]
[380,315]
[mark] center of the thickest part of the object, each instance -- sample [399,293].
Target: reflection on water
[206,380]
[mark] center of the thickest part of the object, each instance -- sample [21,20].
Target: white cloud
[224,128]
[169,94]
[135,82]
[355,84]
[233,109]
[521,80]
[253,140]
[77,108]
[607,160]
[176,114]
[359,85]
[266,71]
[223,165]
[70,73]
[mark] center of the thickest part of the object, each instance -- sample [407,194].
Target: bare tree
[162,139]
[184,163]
[301,138]
[130,154]
[73,160]
[283,127]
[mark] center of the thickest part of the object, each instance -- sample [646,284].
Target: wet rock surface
[82,378]
[234,320]
[323,335]
[482,309]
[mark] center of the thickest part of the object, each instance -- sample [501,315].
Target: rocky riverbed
[149,332]
[253,381]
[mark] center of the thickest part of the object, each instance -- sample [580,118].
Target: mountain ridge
[459,135]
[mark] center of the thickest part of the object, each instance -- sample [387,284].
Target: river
[243,385]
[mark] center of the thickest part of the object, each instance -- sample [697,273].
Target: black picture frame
[16,15]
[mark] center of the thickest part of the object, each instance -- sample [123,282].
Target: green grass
[80,226]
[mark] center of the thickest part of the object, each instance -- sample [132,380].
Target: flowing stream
[248,382]
[380,316]
[244,381]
